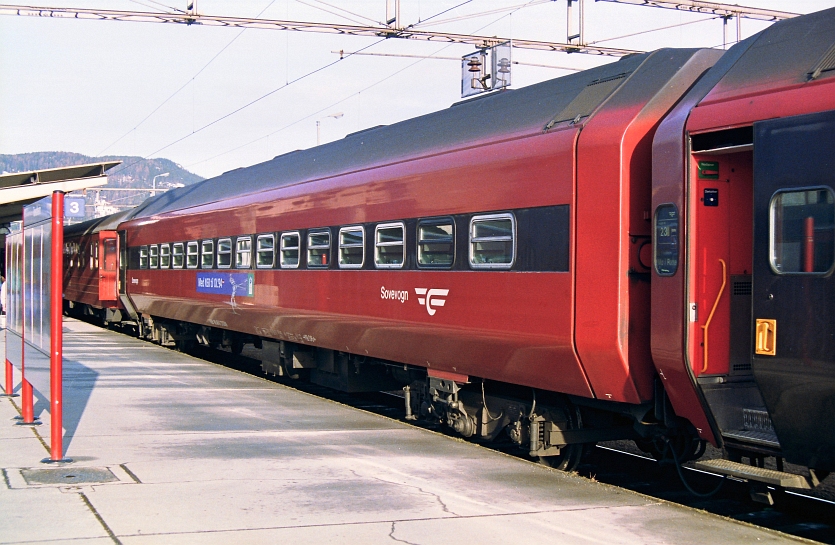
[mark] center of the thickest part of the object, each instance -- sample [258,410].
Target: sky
[214,99]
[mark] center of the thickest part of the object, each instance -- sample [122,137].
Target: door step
[756,474]
[756,419]
[763,438]
[756,429]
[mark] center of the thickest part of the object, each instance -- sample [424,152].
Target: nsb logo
[432,299]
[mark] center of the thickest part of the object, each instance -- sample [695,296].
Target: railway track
[617,464]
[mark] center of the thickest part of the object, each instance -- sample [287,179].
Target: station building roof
[19,189]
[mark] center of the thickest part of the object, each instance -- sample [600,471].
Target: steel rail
[307,26]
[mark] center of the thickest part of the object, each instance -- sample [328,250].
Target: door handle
[766,342]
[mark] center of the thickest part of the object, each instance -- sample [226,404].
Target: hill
[135,173]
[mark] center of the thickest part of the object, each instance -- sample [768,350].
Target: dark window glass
[153,256]
[207,254]
[389,250]
[164,256]
[803,231]
[177,256]
[191,255]
[318,248]
[492,241]
[243,253]
[224,253]
[265,251]
[351,247]
[289,250]
[436,245]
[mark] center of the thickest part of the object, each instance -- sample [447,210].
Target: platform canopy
[22,188]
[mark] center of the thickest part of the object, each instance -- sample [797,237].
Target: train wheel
[237,347]
[680,446]
[184,346]
[567,460]
[570,455]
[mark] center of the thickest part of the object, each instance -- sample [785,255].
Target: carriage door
[108,261]
[794,288]
[721,303]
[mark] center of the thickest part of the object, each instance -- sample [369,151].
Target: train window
[318,248]
[803,231]
[243,253]
[178,255]
[207,254]
[164,256]
[191,255]
[224,253]
[389,250]
[290,250]
[265,251]
[436,243]
[665,244]
[153,256]
[492,241]
[143,257]
[351,247]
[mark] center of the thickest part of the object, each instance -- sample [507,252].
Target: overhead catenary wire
[435,57]
[333,12]
[190,80]
[677,25]
[287,84]
[239,109]
[349,12]
[344,99]
[152,4]
[480,14]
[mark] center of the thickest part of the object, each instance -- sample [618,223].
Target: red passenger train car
[604,255]
[91,269]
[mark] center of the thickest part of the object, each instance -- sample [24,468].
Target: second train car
[643,250]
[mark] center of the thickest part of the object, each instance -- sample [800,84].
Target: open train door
[793,283]
[108,266]
[123,281]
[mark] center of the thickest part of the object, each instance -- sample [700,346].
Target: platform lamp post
[154,190]
[318,121]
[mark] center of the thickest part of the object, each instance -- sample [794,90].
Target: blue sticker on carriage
[234,284]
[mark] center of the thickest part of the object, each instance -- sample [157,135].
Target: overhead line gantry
[189,18]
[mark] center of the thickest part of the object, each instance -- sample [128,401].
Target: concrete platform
[197,453]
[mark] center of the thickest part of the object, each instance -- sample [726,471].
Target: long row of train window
[492,245]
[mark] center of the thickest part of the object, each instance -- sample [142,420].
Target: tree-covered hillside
[133,174]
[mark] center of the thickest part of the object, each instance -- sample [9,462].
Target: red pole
[9,389]
[27,398]
[809,245]
[56,336]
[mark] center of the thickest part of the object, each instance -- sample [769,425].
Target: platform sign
[74,206]
[28,270]
[33,326]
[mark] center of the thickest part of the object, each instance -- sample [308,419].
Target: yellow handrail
[715,304]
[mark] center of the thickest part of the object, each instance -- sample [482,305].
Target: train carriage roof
[492,117]
[790,52]
[106,223]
